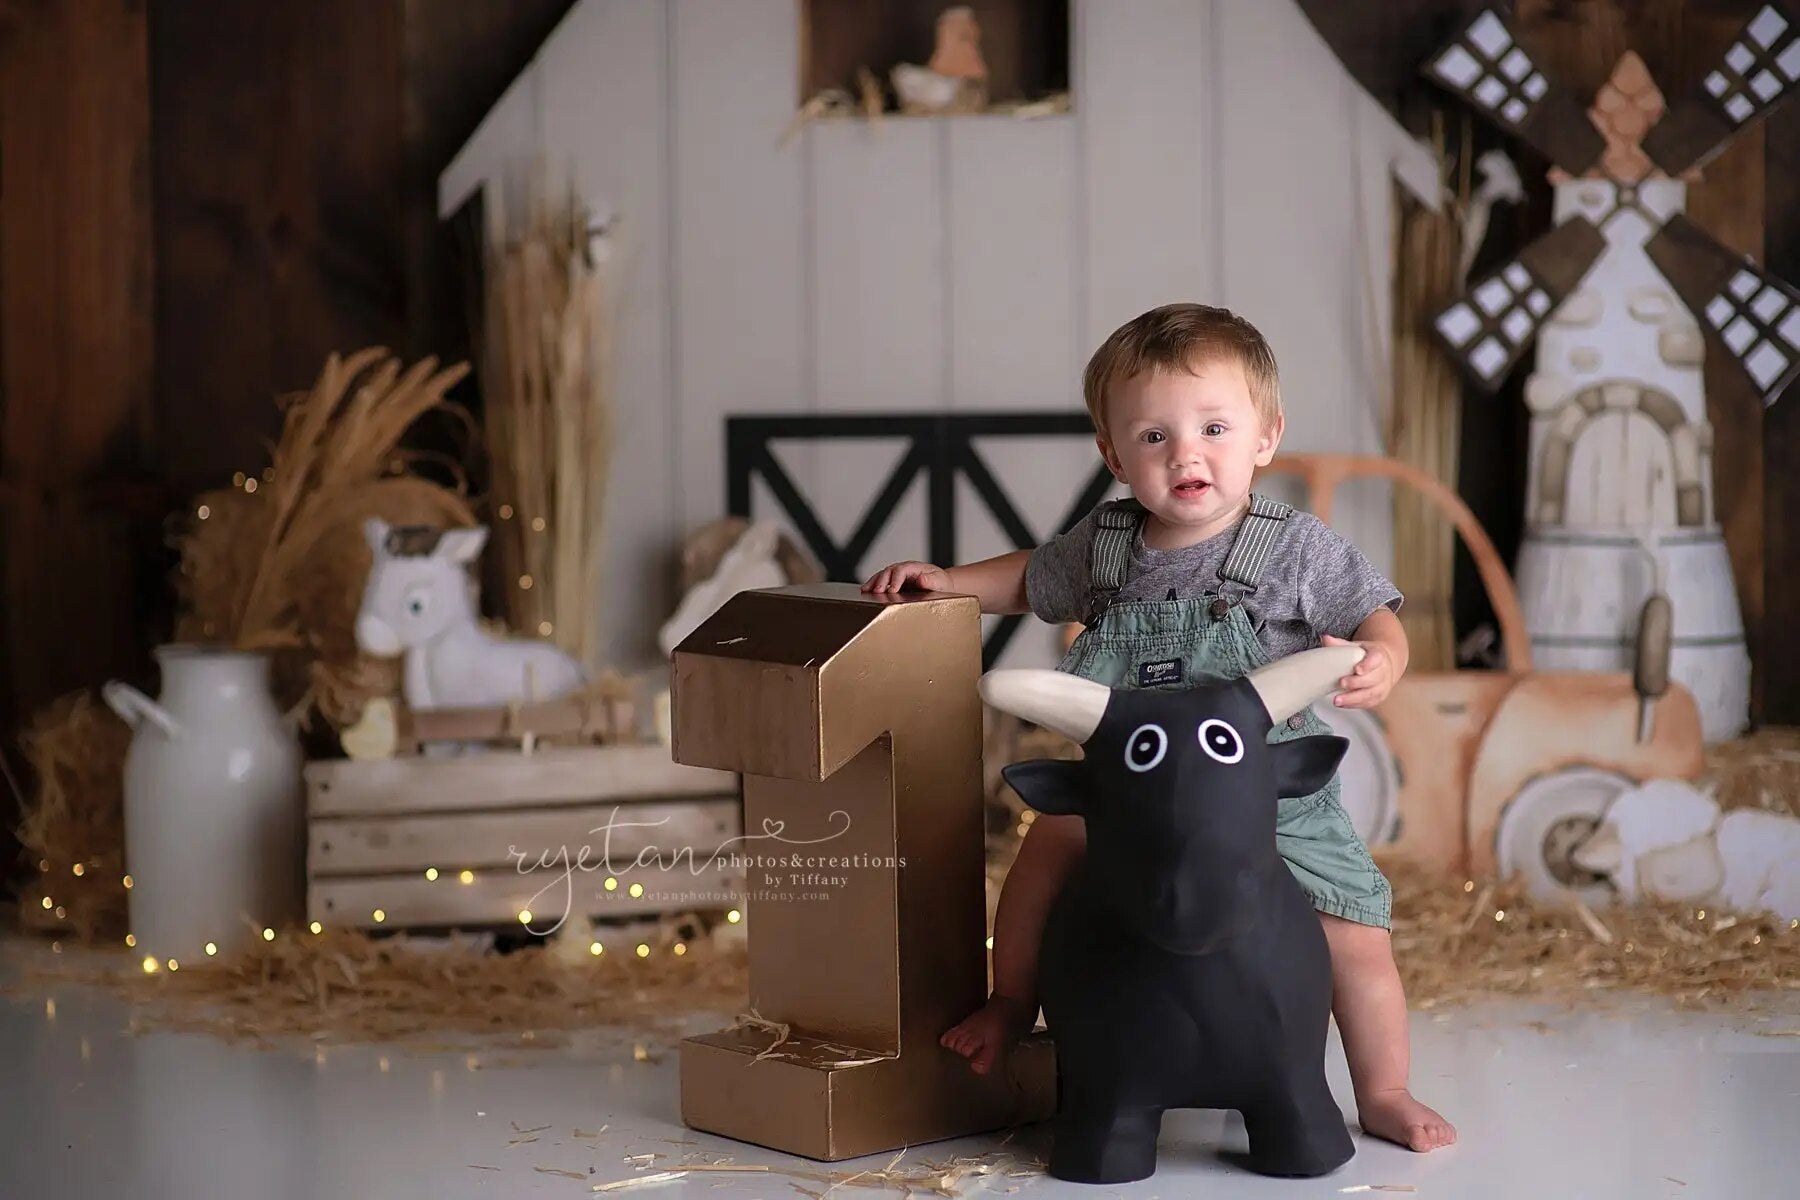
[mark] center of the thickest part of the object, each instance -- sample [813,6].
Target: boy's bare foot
[985,1035]
[1396,1116]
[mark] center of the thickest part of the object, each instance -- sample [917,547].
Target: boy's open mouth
[1191,488]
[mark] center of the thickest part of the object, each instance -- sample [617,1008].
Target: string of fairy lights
[466,876]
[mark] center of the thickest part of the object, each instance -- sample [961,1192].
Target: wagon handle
[1322,474]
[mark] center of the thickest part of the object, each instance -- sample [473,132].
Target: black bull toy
[1182,966]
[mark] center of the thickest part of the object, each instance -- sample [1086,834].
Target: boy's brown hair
[1179,337]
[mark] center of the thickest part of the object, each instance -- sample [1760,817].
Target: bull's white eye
[1146,748]
[415,602]
[1220,741]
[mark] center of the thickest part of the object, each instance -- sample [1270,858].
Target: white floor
[1632,1102]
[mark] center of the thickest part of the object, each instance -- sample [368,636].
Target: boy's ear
[1270,439]
[1304,765]
[1111,457]
[1049,785]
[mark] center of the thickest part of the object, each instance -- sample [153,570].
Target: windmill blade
[1488,329]
[1758,71]
[1752,315]
[1487,65]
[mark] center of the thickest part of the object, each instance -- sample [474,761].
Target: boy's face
[1188,443]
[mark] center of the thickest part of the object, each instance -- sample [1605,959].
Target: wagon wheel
[1322,473]
[1371,778]
[1551,818]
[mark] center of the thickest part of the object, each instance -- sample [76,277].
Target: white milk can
[214,838]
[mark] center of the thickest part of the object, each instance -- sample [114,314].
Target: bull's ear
[1304,765]
[1049,785]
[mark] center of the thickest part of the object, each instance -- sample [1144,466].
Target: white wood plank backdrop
[1216,151]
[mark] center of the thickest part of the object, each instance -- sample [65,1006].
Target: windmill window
[1537,302]
[1739,108]
[1493,297]
[1767,26]
[1488,358]
[1789,61]
[1790,327]
[1766,85]
[1517,277]
[1719,311]
[1516,65]
[1535,87]
[1489,35]
[1716,84]
[1768,304]
[1490,92]
[1743,283]
[1517,326]
[1458,324]
[1739,334]
[1739,57]
[1765,364]
[1459,67]
[1514,111]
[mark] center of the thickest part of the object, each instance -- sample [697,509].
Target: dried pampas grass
[74,825]
[278,563]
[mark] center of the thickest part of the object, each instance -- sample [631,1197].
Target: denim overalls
[1173,644]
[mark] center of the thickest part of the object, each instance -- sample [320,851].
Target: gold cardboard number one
[855,723]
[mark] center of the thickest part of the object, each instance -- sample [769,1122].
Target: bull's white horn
[1067,704]
[1289,684]
[1603,853]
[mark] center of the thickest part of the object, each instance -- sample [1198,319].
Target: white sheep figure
[420,602]
[1665,841]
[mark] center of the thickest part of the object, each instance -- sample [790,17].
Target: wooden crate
[476,839]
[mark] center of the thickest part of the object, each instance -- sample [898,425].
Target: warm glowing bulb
[545,628]
[173,965]
[506,512]
[249,485]
[50,1008]
[612,884]
[1499,914]
[237,479]
[596,949]
[149,965]
[61,912]
[524,916]
[525,583]
[680,949]
[643,950]
[268,934]
[734,916]
[379,916]
[212,948]
[130,940]
[316,927]
[537,524]
[467,877]
[1701,915]
[203,512]
[1468,885]
[49,903]
[78,870]
[990,941]
[128,881]
[431,873]
[637,889]
[43,864]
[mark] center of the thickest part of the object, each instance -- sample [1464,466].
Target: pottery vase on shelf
[214,838]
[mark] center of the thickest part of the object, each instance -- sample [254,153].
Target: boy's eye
[1153,437]
[1215,429]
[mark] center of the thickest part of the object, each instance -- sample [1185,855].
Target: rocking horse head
[1178,789]
[418,585]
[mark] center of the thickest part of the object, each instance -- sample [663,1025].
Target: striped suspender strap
[1256,537]
[1111,552]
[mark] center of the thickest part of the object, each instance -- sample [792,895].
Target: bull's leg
[1298,1133]
[1105,1143]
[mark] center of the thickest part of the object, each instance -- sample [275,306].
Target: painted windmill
[1620,479]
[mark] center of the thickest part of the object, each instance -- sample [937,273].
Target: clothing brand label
[1159,674]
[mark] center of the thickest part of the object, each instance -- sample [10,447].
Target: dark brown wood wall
[200,200]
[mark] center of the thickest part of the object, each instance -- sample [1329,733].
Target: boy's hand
[921,575]
[1369,683]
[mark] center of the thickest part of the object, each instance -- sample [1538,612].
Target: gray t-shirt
[1314,583]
